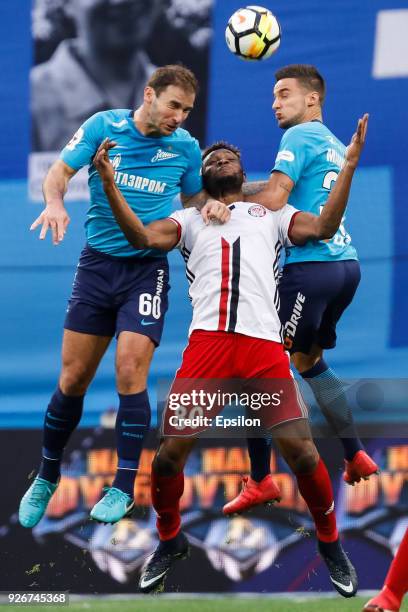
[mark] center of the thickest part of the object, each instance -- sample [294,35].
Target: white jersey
[233,268]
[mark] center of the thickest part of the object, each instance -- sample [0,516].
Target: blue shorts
[313,296]
[114,294]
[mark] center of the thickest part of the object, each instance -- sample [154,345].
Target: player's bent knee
[74,381]
[303,362]
[168,463]
[130,372]
[301,456]
[306,462]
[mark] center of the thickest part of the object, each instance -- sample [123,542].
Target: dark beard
[224,185]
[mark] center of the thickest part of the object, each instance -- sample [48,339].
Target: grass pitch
[232,604]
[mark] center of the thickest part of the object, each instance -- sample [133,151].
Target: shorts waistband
[132,258]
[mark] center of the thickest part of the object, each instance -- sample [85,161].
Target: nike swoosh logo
[54,418]
[348,588]
[143,322]
[146,583]
[330,510]
[124,424]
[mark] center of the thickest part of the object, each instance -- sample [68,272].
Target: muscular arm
[162,234]
[272,194]
[307,226]
[197,200]
[54,216]
[56,183]
[311,227]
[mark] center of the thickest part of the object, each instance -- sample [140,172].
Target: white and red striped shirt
[233,268]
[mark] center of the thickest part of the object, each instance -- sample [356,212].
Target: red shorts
[218,363]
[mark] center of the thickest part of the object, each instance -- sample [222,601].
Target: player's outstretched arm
[161,234]
[272,194]
[307,226]
[54,216]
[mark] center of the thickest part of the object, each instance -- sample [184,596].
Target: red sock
[317,492]
[166,493]
[397,577]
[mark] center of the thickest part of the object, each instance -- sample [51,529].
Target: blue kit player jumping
[117,291]
[319,279]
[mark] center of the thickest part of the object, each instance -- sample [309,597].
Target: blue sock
[132,424]
[259,450]
[329,393]
[62,417]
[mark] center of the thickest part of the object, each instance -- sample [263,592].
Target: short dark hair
[307,75]
[221,144]
[173,74]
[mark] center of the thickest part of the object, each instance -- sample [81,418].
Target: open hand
[54,218]
[356,145]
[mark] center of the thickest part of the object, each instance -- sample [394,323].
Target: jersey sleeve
[191,181]
[84,143]
[292,156]
[285,218]
[180,218]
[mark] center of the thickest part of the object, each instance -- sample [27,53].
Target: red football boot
[383,602]
[253,494]
[360,467]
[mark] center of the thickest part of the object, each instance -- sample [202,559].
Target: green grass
[233,604]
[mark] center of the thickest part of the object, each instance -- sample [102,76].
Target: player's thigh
[90,308]
[144,304]
[206,370]
[208,354]
[302,304]
[134,354]
[273,391]
[172,455]
[349,276]
[258,358]
[81,355]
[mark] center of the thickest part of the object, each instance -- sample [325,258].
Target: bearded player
[319,277]
[117,291]
[236,333]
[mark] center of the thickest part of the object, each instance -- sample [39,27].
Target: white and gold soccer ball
[253,33]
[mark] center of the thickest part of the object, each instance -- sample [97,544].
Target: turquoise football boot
[113,506]
[35,501]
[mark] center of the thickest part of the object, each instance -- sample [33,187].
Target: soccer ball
[253,33]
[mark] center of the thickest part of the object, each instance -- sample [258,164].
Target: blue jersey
[313,157]
[149,171]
